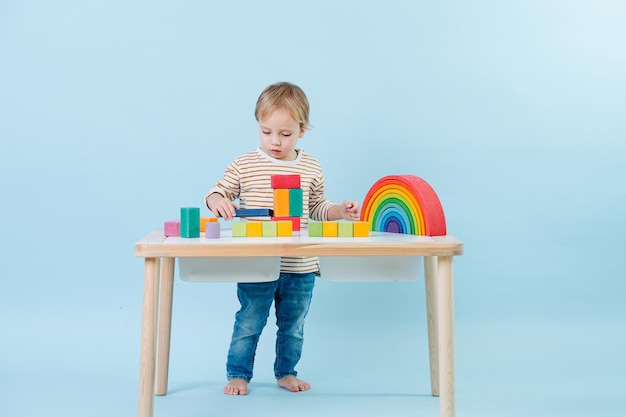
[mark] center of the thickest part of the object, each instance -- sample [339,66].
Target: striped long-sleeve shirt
[248,178]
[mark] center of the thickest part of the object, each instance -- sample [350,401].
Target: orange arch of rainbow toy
[404,204]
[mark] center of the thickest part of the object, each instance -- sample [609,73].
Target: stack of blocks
[338,229]
[287,199]
[285,217]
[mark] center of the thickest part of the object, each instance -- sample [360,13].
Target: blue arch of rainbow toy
[393,217]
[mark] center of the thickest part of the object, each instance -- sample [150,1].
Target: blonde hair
[286,96]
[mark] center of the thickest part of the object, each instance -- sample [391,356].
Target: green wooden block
[240,229]
[190,222]
[345,229]
[315,229]
[270,229]
[295,202]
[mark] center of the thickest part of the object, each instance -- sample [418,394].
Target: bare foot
[236,387]
[293,384]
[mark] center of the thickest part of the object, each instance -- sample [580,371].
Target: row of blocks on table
[191,224]
[208,225]
[339,229]
[268,228]
[279,228]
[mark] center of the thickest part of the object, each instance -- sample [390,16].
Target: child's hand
[221,206]
[350,210]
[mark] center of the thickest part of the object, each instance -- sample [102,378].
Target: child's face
[279,134]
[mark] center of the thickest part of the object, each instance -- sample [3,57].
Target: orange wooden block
[281,202]
[361,229]
[284,228]
[330,229]
[254,229]
[204,221]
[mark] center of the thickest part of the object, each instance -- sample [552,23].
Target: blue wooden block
[254,213]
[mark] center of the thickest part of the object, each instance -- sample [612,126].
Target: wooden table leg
[430,279]
[445,306]
[164,326]
[148,337]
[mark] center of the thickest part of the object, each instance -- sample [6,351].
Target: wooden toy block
[240,229]
[190,222]
[315,229]
[295,222]
[345,229]
[254,212]
[361,229]
[255,229]
[295,202]
[212,230]
[284,228]
[285,181]
[269,229]
[171,228]
[329,229]
[204,221]
[281,202]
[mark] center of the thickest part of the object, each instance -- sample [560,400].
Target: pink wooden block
[171,228]
[212,230]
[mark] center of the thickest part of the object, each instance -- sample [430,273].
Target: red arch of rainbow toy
[404,204]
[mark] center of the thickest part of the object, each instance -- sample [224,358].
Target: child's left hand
[350,210]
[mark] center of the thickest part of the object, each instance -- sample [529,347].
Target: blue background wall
[115,114]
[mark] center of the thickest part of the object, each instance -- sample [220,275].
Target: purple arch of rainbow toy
[404,204]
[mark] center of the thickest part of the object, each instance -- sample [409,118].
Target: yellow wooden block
[281,202]
[255,229]
[284,228]
[361,229]
[329,229]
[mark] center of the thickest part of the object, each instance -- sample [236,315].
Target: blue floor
[364,356]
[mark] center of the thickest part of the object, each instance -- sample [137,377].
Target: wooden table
[159,253]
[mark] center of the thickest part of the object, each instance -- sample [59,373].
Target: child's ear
[301,133]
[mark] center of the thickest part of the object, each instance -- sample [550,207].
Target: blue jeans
[291,294]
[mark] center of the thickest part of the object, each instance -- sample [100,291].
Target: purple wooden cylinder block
[212,230]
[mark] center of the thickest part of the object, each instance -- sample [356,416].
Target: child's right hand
[221,206]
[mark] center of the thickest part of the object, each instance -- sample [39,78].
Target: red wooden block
[286,181]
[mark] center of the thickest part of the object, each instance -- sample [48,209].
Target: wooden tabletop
[156,245]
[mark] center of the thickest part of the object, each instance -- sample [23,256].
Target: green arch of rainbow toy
[404,204]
